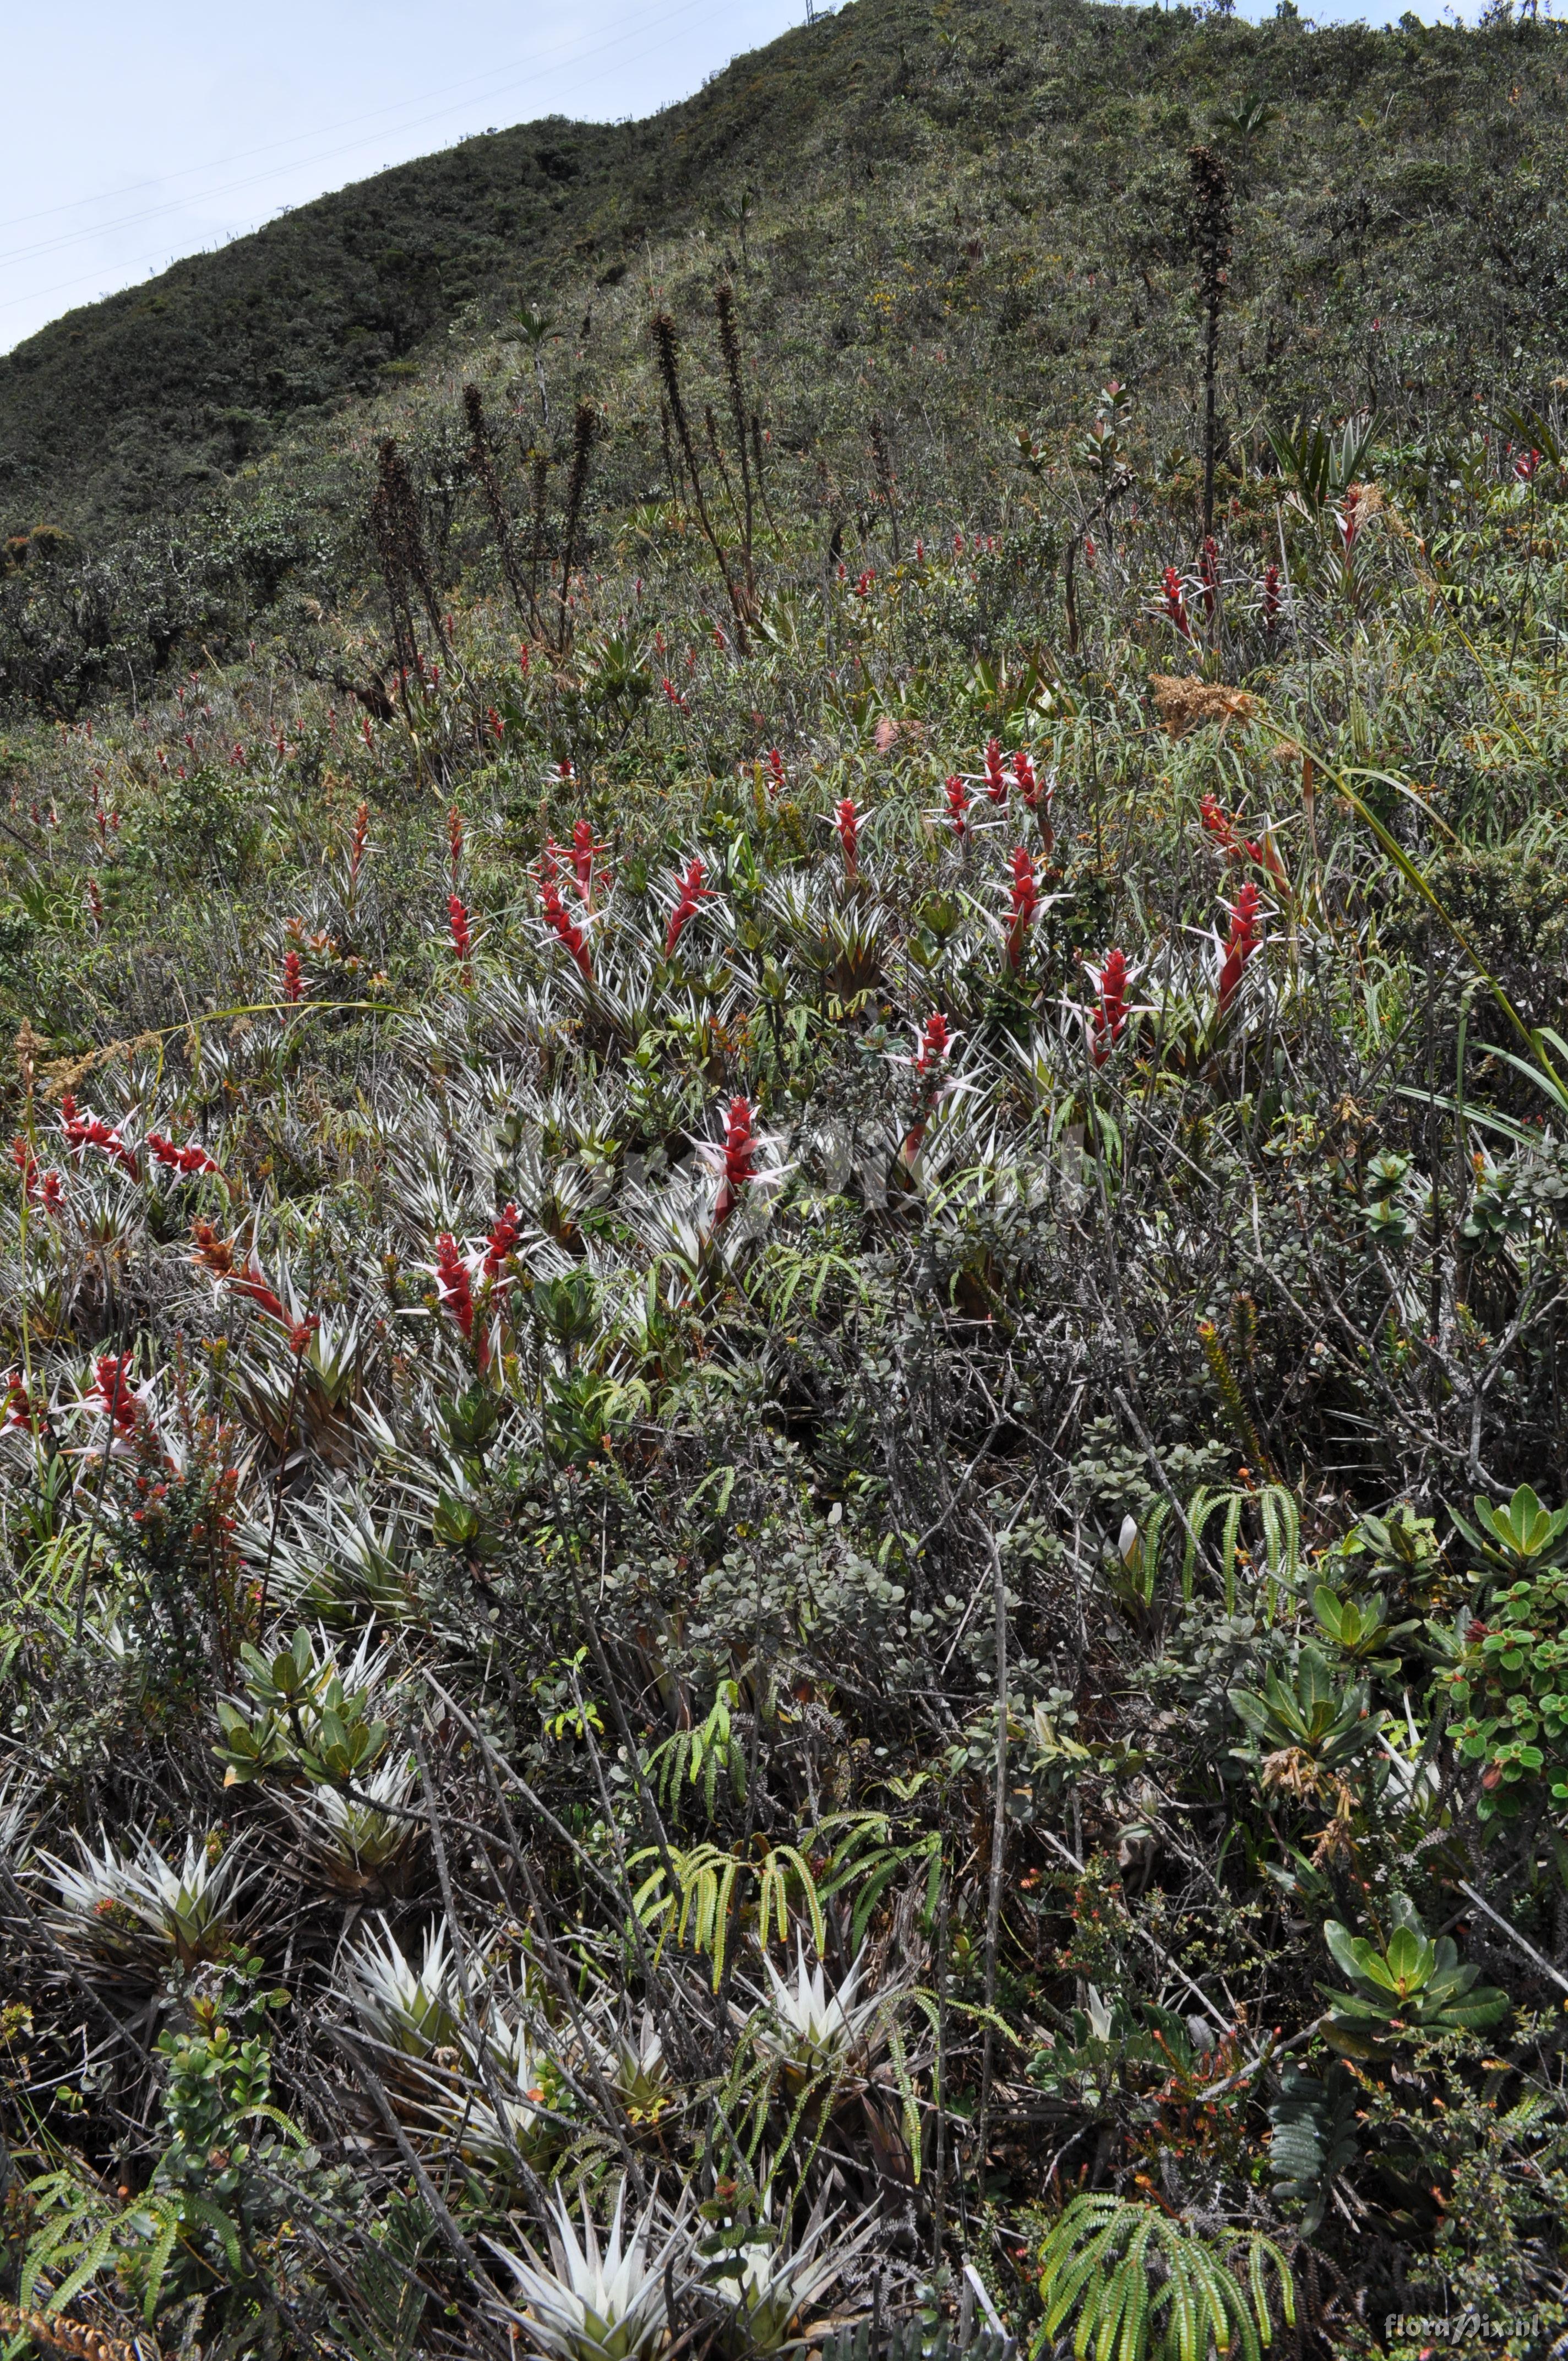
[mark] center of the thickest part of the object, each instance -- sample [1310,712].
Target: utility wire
[102,229]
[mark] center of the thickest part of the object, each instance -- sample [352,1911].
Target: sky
[135,136]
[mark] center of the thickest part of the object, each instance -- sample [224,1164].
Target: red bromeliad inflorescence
[1271,599]
[775,765]
[1235,847]
[958,805]
[1245,912]
[39,1188]
[82,1129]
[584,853]
[1037,794]
[691,891]
[357,842]
[457,920]
[995,775]
[564,928]
[1219,825]
[1175,602]
[293,980]
[932,1045]
[111,1396]
[215,1256]
[454,1286]
[1209,575]
[740,1157]
[1023,900]
[501,1241]
[186,1160]
[1109,1018]
[931,1050]
[846,820]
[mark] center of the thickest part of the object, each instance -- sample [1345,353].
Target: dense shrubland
[784,1288]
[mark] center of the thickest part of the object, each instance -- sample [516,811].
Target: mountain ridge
[396,254]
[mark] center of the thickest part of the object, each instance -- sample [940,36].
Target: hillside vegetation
[784,1485]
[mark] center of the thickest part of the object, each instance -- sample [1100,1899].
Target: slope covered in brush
[1406,188]
[783,1293]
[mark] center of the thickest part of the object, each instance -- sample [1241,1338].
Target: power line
[102,229]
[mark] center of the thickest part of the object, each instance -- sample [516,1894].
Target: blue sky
[138,135]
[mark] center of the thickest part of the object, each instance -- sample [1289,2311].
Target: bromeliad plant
[609,2302]
[128,1903]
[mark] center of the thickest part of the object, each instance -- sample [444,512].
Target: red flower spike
[188,1159]
[215,1256]
[502,1240]
[584,850]
[935,1043]
[932,1046]
[457,920]
[846,820]
[958,805]
[84,1129]
[740,1157]
[1223,828]
[293,982]
[110,1395]
[1023,900]
[1209,574]
[357,840]
[692,892]
[1241,942]
[252,1283]
[775,765]
[39,1188]
[1109,1018]
[1271,599]
[453,1281]
[564,929]
[996,776]
[1175,602]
